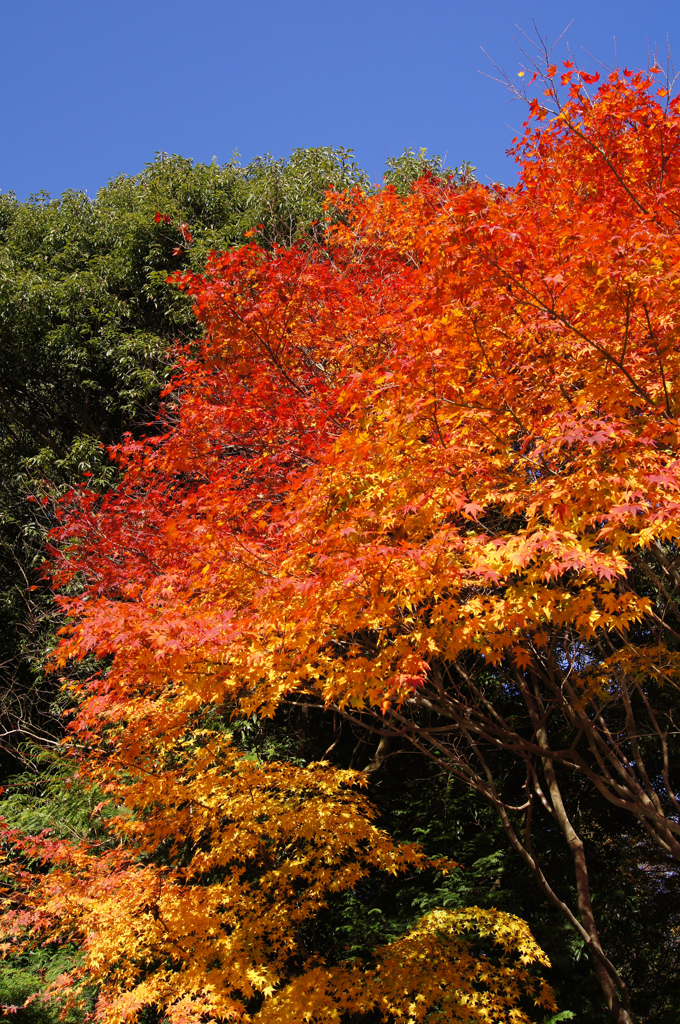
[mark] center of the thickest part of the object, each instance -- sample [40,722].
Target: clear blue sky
[91,88]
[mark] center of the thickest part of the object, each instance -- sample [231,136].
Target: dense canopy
[420,474]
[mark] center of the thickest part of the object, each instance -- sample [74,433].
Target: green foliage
[50,796]
[403,171]
[25,977]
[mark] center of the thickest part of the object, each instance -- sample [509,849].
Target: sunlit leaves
[442,437]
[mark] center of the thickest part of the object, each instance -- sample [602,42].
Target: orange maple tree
[425,472]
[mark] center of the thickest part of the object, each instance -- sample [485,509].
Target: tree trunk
[612,985]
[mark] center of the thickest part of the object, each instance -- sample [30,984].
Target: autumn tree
[267,853]
[422,475]
[87,320]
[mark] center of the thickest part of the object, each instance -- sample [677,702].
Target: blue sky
[92,88]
